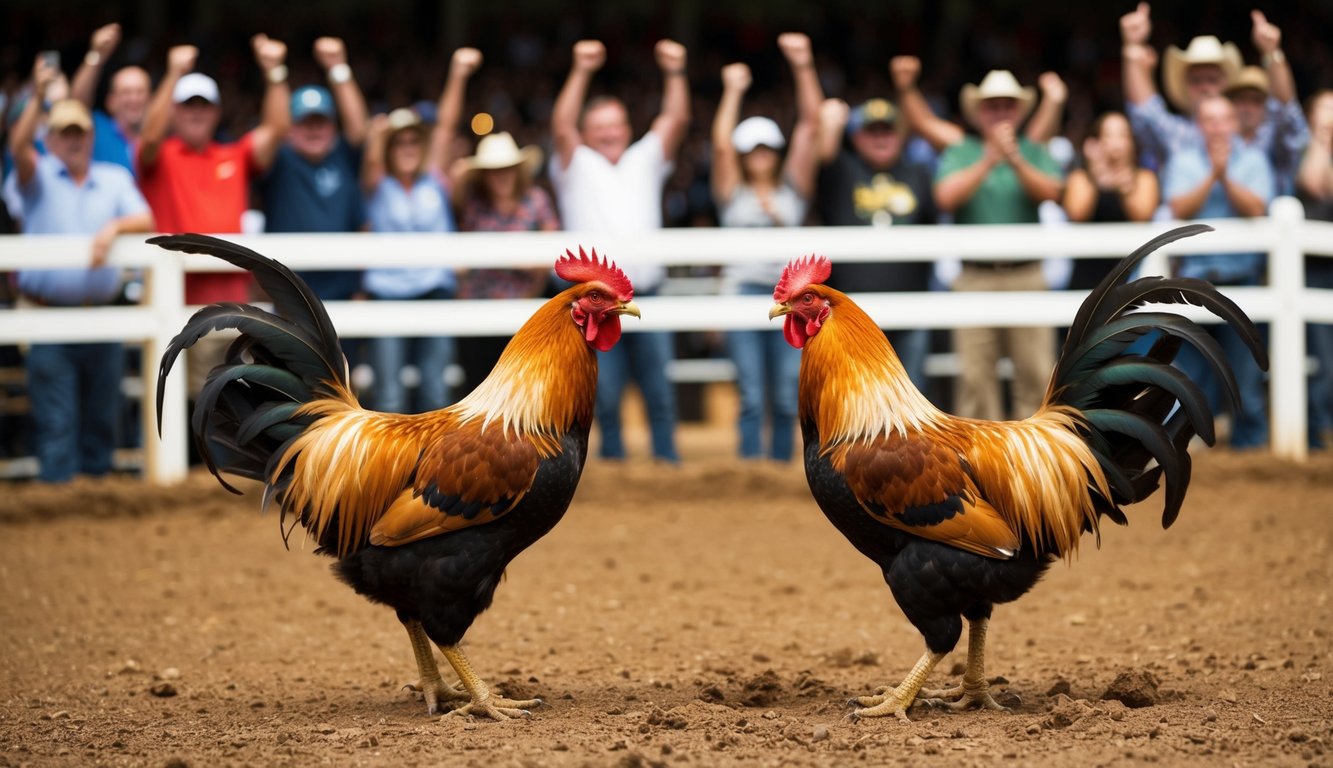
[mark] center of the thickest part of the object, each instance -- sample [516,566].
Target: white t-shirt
[595,195]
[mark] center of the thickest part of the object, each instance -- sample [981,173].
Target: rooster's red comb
[800,274]
[584,268]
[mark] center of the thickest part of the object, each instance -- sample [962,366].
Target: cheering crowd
[1220,139]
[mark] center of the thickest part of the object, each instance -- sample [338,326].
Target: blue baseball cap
[311,100]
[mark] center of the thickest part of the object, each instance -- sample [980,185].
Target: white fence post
[1286,335]
[166,460]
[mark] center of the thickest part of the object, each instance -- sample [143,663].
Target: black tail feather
[1140,413]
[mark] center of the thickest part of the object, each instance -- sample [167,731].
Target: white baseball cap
[757,131]
[194,85]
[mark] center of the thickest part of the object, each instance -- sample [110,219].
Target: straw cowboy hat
[997,84]
[1204,49]
[1255,78]
[496,151]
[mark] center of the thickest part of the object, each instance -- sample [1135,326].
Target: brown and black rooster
[962,514]
[423,512]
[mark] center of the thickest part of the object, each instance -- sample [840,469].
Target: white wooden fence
[1285,303]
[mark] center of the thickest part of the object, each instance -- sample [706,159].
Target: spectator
[403,177]
[313,184]
[494,192]
[116,130]
[195,183]
[74,388]
[1110,187]
[1314,185]
[998,178]
[604,183]
[1250,93]
[866,179]
[755,186]
[1224,178]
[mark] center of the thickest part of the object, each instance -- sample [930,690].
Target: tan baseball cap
[68,113]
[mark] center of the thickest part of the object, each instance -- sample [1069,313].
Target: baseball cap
[68,113]
[311,100]
[871,112]
[757,131]
[195,85]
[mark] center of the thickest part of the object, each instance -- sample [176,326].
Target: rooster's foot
[496,708]
[962,697]
[895,701]
[437,694]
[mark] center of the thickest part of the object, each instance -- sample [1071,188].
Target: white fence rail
[1286,304]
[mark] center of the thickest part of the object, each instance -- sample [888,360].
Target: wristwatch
[340,73]
[277,75]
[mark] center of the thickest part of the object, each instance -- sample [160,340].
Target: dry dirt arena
[700,616]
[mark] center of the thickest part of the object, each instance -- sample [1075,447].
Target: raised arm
[589,56]
[1268,40]
[673,120]
[833,116]
[180,61]
[331,55]
[22,137]
[462,65]
[1048,118]
[802,165]
[726,173]
[103,44]
[276,114]
[1138,59]
[906,71]
[372,158]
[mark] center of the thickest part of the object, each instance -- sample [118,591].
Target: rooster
[962,514]
[423,512]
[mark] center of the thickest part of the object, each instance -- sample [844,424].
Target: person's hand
[1121,179]
[670,56]
[1267,37]
[1219,152]
[330,52]
[904,70]
[1136,26]
[796,47]
[589,55]
[43,75]
[1006,141]
[465,62]
[102,244]
[105,39]
[378,126]
[833,115]
[1053,87]
[181,59]
[269,53]
[736,77]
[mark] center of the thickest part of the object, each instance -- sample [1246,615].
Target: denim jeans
[642,357]
[430,355]
[1319,338]
[75,394]
[1249,426]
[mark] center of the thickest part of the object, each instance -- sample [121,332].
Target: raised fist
[269,53]
[465,62]
[1053,87]
[105,39]
[181,58]
[1136,26]
[1267,37]
[796,47]
[589,55]
[330,52]
[670,55]
[736,76]
[904,70]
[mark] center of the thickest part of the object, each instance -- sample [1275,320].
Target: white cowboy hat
[997,84]
[1205,49]
[496,151]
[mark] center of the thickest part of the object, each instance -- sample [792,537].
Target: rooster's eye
[808,298]
[595,297]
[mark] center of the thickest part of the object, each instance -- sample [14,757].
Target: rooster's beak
[629,308]
[779,310]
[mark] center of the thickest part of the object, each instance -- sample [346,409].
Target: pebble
[163,690]
[170,673]
[820,733]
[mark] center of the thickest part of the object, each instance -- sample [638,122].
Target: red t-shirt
[206,192]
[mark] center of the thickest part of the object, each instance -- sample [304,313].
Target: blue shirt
[1247,166]
[110,144]
[423,208]
[53,204]
[300,196]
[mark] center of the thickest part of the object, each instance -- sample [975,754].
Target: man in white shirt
[606,184]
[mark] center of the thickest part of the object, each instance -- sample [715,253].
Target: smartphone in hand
[51,59]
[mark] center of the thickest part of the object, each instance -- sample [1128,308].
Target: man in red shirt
[194,183]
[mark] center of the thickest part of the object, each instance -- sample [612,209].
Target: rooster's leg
[483,703]
[897,700]
[974,690]
[429,681]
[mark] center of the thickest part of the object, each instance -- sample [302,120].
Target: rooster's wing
[925,488]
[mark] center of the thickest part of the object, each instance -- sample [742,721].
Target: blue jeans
[430,355]
[75,393]
[1249,427]
[768,371]
[1319,340]
[643,357]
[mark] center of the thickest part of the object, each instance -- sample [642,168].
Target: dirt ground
[703,615]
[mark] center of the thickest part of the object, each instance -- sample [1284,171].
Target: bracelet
[277,75]
[92,58]
[1276,57]
[340,73]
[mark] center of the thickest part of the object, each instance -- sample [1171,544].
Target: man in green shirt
[998,177]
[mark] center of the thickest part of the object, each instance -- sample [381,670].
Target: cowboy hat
[997,84]
[496,151]
[1205,49]
[1255,78]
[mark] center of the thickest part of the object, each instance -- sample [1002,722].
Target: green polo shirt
[1000,199]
